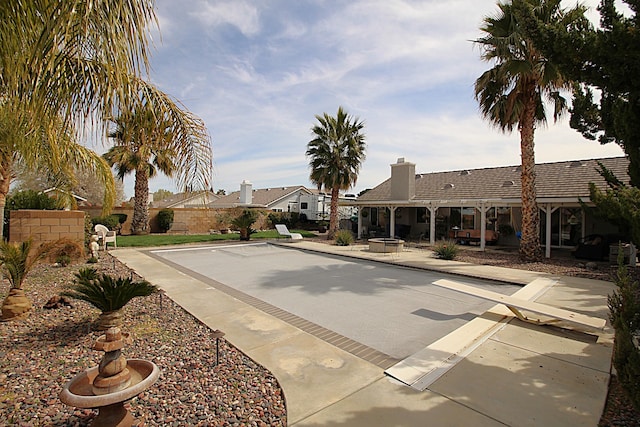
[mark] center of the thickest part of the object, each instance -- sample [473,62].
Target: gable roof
[558,180]
[263,198]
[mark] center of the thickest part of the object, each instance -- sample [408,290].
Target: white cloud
[406,67]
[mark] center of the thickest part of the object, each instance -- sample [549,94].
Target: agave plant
[107,294]
[17,260]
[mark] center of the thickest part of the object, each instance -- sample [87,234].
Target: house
[278,199]
[189,199]
[440,205]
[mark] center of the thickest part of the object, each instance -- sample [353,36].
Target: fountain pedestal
[107,386]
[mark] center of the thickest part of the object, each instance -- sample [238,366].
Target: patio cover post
[432,224]
[392,221]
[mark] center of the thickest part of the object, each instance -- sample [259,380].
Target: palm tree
[17,260]
[107,294]
[158,135]
[513,94]
[57,153]
[336,154]
[64,64]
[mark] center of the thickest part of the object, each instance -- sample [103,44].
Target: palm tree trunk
[530,242]
[140,220]
[333,215]
[5,182]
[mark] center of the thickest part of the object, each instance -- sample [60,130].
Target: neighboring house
[191,199]
[278,199]
[56,193]
[432,206]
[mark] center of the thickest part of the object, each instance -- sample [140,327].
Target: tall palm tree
[64,64]
[513,93]
[336,154]
[158,135]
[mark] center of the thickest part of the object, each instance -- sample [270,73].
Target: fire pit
[385,245]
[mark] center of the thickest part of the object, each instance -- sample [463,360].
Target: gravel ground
[39,354]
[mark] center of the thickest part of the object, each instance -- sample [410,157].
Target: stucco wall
[46,226]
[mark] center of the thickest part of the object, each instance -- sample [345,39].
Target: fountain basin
[385,245]
[79,392]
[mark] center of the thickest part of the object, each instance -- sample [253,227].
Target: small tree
[624,306]
[244,223]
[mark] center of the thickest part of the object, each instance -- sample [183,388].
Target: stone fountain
[114,381]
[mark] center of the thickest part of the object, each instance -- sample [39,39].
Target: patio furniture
[105,236]
[284,231]
[516,304]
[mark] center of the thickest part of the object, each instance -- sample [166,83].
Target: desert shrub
[446,249]
[165,219]
[343,238]
[624,307]
[65,250]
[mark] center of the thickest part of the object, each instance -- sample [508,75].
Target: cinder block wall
[46,226]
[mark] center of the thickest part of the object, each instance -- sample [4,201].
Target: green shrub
[446,249]
[290,219]
[27,199]
[624,307]
[343,238]
[63,260]
[165,219]
[122,218]
[110,221]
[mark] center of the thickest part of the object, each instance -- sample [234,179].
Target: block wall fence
[197,221]
[46,226]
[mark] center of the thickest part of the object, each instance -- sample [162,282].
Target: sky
[258,72]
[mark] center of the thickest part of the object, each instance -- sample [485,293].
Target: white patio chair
[105,236]
[284,231]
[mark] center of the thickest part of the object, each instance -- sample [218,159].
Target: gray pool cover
[392,309]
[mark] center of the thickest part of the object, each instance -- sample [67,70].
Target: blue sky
[257,73]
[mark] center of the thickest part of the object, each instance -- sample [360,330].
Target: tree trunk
[333,214]
[16,305]
[530,249]
[5,182]
[140,220]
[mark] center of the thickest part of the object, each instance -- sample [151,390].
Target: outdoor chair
[105,236]
[284,231]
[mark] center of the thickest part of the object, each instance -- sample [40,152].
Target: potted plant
[17,260]
[107,294]
[322,226]
[244,222]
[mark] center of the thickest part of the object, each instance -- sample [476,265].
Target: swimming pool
[394,310]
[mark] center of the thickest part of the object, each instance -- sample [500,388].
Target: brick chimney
[403,180]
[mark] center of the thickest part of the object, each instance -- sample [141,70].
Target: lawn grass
[175,239]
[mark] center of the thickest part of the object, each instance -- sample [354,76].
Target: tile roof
[263,197]
[557,180]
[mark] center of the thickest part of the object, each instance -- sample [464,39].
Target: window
[422,215]
[304,205]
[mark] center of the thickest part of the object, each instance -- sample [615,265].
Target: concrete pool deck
[522,375]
